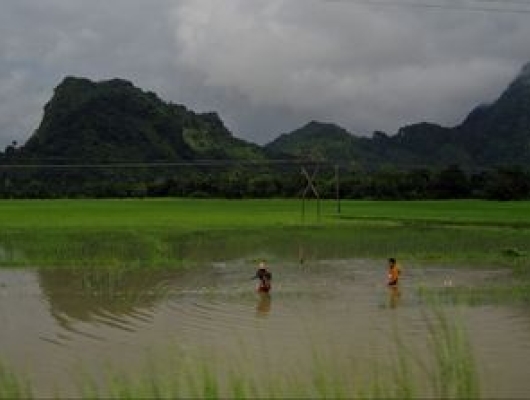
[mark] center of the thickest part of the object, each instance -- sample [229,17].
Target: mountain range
[114,121]
[492,134]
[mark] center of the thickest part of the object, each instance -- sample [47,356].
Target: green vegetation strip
[177,232]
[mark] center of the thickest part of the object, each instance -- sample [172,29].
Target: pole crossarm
[310,185]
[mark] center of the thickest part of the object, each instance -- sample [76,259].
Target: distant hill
[494,134]
[500,133]
[320,141]
[115,121]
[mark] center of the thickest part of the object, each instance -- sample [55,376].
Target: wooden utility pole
[337,187]
[310,187]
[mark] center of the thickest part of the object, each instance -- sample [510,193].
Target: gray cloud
[266,65]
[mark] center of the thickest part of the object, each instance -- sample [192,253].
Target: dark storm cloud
[266,65]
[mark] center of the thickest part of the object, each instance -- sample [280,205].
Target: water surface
[60,325]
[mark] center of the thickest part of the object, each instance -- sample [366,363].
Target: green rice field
[174,232]
[195,214]
[153,299]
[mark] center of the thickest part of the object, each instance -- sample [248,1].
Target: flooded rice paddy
[58,326]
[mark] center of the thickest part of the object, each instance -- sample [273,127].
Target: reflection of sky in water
[56,323]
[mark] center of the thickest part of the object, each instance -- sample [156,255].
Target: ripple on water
[340,306]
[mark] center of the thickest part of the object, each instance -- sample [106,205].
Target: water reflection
[102,294]
[53,320]
[394,296]
[263,306]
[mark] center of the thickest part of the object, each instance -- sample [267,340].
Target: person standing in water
[393,277]
[393,272]
[265,277]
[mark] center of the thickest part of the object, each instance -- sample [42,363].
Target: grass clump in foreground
[449,371]
[456,374]
[13,386]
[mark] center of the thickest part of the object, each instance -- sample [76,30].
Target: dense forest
[262,180]
[112,139]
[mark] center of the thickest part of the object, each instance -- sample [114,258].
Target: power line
[196,163]
[470,5]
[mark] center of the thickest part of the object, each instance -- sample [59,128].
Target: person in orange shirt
[393,277]
[393,272]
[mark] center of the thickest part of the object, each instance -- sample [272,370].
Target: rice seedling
[177,233]
[13,386]
[455,375]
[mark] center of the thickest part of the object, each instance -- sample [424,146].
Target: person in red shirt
[265,277]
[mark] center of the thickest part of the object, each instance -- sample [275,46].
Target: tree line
[243,181]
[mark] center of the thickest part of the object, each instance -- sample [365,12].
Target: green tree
[451,183]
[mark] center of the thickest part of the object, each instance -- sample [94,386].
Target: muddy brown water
[59,325]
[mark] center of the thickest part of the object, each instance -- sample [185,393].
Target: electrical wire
[195,163]
[519,6]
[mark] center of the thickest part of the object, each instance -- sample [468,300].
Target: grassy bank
[176,232]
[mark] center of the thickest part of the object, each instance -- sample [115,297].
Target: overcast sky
[267,66]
